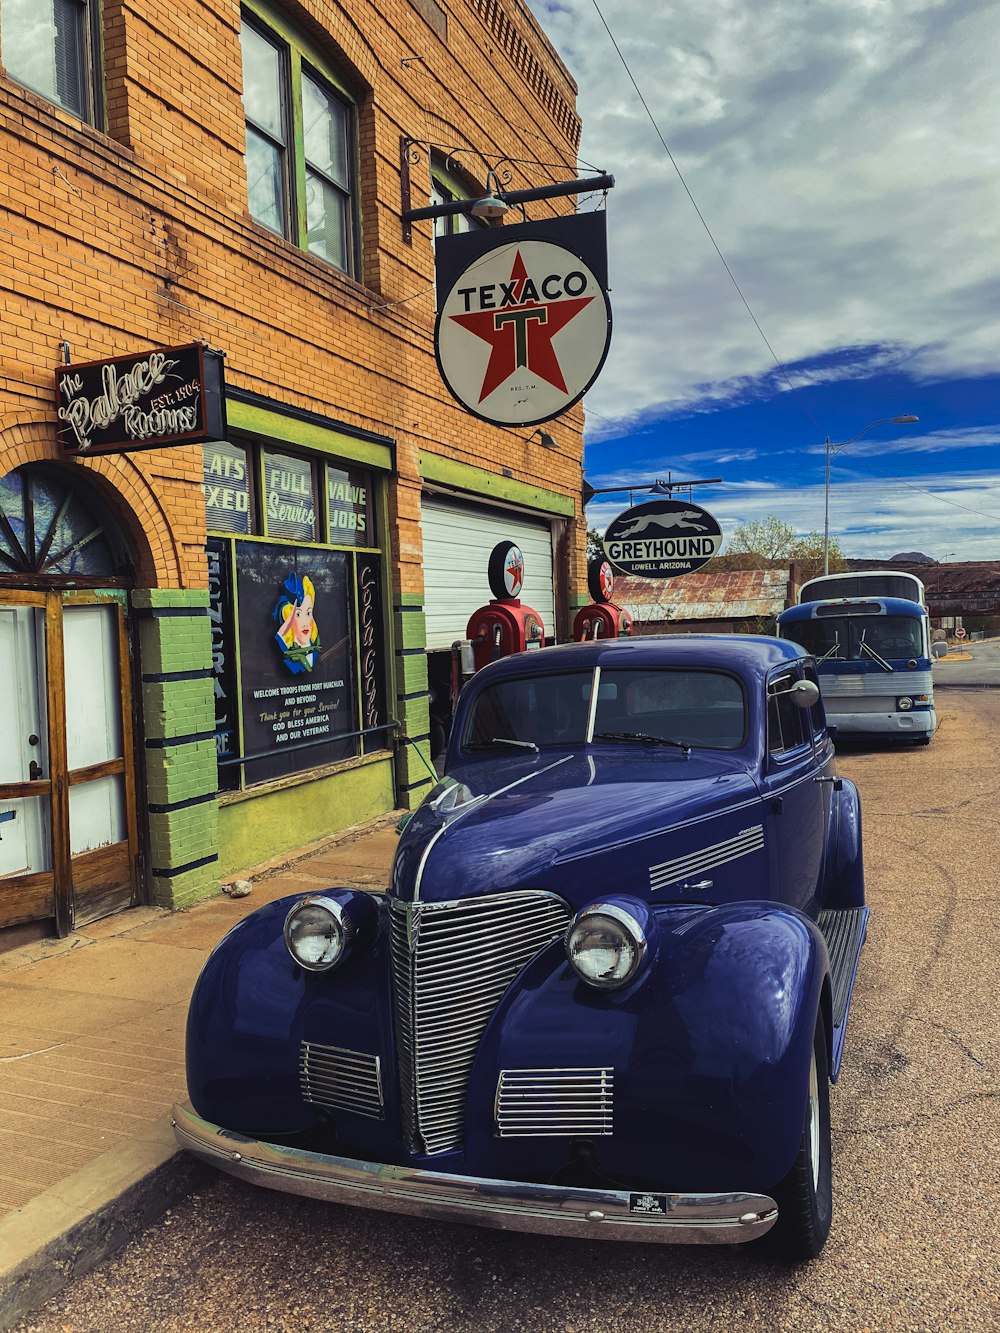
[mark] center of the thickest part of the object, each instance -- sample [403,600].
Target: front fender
[253,1008]
[709,1048]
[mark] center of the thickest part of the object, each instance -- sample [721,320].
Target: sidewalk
[92,1059]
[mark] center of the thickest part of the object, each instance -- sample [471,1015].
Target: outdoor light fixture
[491,207]
[833,448]
[546,440]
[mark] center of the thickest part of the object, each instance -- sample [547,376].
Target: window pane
[324,130]
[348,495]
[226,483]
[290,497]
[262,66]
[44,46]
[327,220]
[265,183]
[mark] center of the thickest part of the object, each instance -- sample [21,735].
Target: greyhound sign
[662,538]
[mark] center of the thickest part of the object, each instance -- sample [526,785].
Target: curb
[74,1226]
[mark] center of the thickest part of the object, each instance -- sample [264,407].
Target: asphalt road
[982,668]
[916,1121]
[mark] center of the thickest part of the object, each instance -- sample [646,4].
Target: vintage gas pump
[505,625]
[602,619]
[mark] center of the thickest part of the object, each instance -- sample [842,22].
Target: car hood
[563,822]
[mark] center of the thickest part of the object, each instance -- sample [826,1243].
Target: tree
[808,551]
[595,546]
[762,541]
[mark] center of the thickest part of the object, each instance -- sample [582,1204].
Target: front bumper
[555,1210]
[914,723]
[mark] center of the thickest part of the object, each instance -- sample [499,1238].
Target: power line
[701,217]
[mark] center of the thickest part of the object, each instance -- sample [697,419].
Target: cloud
[838,154]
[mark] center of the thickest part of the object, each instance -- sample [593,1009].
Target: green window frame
[301,141]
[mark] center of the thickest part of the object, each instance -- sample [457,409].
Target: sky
[845,157]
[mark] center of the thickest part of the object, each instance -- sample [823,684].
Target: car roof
[746,654]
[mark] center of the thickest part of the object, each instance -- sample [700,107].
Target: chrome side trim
[718,854]
[556,1210]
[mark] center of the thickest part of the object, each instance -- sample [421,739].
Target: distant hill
[913,558]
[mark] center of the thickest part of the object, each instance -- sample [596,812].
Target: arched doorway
[68,827]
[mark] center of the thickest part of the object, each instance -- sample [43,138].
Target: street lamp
[830,448]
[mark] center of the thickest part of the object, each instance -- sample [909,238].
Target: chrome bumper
[556,1210]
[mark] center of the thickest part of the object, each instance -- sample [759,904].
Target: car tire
[805,1196]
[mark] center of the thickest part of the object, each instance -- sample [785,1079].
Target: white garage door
[458,540]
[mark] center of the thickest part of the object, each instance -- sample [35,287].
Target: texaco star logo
[523,333]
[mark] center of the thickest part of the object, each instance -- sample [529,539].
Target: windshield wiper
[502,740]
[863,647]
[829,653]
[640,736]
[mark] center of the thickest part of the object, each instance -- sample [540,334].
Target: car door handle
[838,783]
[701,884]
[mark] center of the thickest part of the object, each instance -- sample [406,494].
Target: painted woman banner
[296,658]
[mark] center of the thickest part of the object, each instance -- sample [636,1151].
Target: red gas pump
[602,619]
[505,625]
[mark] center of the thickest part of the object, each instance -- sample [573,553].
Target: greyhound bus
[865,583]
[873,657]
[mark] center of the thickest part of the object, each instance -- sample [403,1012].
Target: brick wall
[137,235]
[140,237]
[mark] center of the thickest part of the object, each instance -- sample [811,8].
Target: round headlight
[317,933]
[605,945]
[905,704]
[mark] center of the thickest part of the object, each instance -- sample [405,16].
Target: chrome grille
[543,1103]
[345,1080]
[452,963]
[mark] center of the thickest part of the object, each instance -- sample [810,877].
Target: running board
[844,932]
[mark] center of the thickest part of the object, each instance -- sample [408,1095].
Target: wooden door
[68,835]
[99,762]
[33,800]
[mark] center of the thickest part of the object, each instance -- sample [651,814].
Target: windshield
[852,640]
[689,708]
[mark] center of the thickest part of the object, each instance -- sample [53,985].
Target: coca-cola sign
[173,395]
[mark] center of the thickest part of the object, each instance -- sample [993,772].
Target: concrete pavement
[92,1059]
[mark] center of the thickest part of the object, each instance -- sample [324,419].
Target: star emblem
[520,333]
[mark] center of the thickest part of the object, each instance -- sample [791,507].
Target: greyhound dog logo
[683,521]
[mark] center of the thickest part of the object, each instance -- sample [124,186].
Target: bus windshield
[849,639]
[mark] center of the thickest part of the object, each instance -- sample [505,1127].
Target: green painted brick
[177,837]
[414,715]
[411,629]
[177,773]
[148,598]
[178,707]
[180,643]
[411,674]
[177,891]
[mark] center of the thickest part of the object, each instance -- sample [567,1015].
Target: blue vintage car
[607,989]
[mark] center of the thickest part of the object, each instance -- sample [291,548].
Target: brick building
[205,176]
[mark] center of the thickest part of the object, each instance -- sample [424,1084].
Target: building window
[295,598]
[49,46]
[300,153]
[447,188]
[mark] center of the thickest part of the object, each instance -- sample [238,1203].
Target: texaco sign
[524,321]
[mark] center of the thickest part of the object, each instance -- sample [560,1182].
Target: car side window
[787,725]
